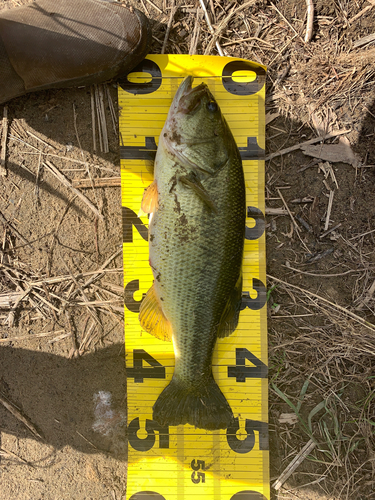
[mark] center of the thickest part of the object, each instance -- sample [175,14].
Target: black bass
[196,239]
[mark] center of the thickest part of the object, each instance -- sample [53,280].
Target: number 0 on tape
[182,462]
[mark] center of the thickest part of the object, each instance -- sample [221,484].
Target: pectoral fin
[192,182]
[152,318]
[231,313]
[150,198]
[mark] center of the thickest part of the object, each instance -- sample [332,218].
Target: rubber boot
[64,43]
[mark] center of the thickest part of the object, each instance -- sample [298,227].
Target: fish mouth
[187,98]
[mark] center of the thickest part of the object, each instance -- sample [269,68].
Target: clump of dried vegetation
[322,344]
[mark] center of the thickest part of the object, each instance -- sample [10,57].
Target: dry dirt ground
[59,357]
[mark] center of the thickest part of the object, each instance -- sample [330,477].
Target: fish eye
[212,106]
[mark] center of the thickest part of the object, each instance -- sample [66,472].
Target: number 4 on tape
[179,463]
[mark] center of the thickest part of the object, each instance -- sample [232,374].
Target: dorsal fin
[152,318]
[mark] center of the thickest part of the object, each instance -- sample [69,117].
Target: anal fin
[152,318]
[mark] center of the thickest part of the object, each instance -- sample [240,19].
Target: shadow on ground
[58,396]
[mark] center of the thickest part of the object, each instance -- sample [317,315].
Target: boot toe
[49,44]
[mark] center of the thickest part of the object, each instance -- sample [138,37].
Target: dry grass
[326,366]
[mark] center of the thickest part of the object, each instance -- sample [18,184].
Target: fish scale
[196,249]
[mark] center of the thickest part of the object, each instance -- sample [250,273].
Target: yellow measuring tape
[181,462]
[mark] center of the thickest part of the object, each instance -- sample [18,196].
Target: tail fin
[204,407]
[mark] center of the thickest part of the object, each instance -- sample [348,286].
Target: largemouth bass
[196,238]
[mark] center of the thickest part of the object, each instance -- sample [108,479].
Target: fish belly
[196,257]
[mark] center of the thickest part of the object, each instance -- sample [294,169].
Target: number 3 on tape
[177,463]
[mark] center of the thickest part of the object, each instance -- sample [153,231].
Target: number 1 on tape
[178,463]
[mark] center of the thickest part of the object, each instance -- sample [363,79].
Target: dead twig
[335,133]
[310,20]
[208,21]
[80,147]
[328,302]
[329,208]
[3,170]
[11,315]
[224,23]
[102,124]
[170,21]
[72,334]
[9,298]
[37,178]
[13,229]
[39,139]
[66,182]
[298,459]
[31,336]
[80,289]
[96,183]
[364,41]
[10,454]
[276,211]
[363,11]
[87,339]
[17,413]
[293,220]
[333,275]
[112,110]
[196,32]
[289,212]
[285,20]
[58,279]
[92,101]
[154,6]
[98,274]
[323,235]
[241,40]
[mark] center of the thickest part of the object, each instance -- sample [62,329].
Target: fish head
[196,131]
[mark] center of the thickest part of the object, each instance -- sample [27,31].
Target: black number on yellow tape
[247,444]
[148,67]
[145,444]
[252,151]
[139,372]
[241,495]
[130,219]
[197,477]
[152,495]
[151,68]
[198,464]
[248,88]
[130,289]
[146,152]
[241,372]
[260,299]
[254,233]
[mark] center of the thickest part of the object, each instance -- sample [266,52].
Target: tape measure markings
[233,362]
